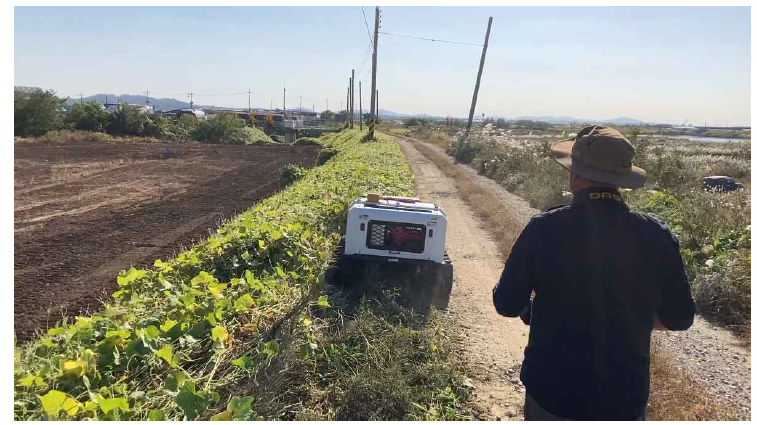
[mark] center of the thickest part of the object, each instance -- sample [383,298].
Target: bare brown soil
[85,210]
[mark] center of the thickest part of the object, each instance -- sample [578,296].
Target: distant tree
[412,122]
[88,116]
[128,120]
[327,115]
[219,129]
[36,113]
[501,123]
[533,125]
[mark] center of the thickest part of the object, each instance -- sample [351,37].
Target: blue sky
[656,64]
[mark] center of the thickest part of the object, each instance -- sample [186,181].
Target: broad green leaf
[202,277]
[175,380]
[56,331]
[216,288]
[167,325]
[116,404]
[167,353]
[74,367]
[52,402]
[226,415]
[156,415]
[280,272]
[305,235]
[71,406]
[323,302]
[271,348]
[261,244]
[123,334]
[191,401]
[276,235]
[219,334]
[240,407]
[151,332]
[31,381]
[244,303]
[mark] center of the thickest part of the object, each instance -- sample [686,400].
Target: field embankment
[85,209]
[243,325]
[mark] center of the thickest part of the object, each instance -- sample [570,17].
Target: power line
[365,58]
[430,39]
[366,25]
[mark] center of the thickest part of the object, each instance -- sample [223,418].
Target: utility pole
[271,105]
[352,100]
[81,98]
[327,103]
[147,95]
[285,98]
[373,75]
[249,105]
[300,102]
[360,100]
[478,80]
[191,100]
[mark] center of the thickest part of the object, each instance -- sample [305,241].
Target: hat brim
[633,179]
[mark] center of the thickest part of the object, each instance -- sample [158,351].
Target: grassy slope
[222,321]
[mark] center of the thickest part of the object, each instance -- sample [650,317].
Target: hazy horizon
[660,64]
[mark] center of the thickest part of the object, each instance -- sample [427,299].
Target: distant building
[341,116]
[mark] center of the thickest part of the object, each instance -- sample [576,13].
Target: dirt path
[717,359]
[492,344]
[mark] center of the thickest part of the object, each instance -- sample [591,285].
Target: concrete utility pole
[478,80]
[147,95]
[360,100]
[373,75]
[285,98]
[81,98]
[191,100]
[327,103]
[249,105]
[300,102]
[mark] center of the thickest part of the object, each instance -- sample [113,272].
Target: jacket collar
[595,194]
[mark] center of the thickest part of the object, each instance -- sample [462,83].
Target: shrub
[290,173]
[36,113]
[324,155]
[307,141]
[277,138]
[128,120]
[219,129]
[88,116]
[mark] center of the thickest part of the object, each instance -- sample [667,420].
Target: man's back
[601,274]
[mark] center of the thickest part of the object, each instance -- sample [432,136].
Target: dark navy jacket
[601,273]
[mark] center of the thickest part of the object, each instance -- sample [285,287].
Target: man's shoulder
[552,212]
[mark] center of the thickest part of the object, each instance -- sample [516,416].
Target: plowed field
[85,210]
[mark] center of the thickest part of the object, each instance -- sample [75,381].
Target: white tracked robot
[399,231]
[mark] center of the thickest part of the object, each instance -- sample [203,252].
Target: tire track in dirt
[491,345]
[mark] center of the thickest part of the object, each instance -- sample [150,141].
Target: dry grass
[676,396]
[674,393]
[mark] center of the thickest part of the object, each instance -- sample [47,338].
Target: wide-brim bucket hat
[600,154]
